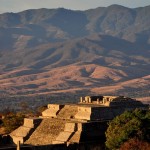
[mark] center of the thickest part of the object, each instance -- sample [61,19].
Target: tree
[128,125]
[24,106]
[40,109]
[135,144]
[12,121]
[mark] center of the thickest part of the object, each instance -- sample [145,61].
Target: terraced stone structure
[74,123]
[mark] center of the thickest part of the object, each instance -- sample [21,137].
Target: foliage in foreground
[131,124]
[12,121]
[135,144]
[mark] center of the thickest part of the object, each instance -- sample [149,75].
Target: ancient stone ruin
[74,123]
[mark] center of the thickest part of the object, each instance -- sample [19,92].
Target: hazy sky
[19,5]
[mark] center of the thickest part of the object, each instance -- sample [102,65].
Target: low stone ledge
[32,122]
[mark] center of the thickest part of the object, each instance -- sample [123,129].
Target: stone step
[70,127]
[57,142]
[64,136]
[23,132]
[67,112]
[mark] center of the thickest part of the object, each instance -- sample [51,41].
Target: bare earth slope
[102,50]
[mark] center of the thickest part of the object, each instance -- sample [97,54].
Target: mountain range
[98,51]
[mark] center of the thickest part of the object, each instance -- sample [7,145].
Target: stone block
[16,139]
[79,127]
[52,110]
[84,109]
[55,106]
[32,122]
[50,113]
[83,116]
[21,131]
[57,142]
[70,127]
[76,137]
[83,113]
[64,136]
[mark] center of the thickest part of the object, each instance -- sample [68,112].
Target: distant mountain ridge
[45,25]
[103,47]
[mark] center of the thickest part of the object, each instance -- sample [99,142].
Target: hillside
[102,51]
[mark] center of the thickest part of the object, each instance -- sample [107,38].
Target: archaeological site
[68,124]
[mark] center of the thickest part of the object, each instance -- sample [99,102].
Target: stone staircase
[52,111]
[46,132]
[64,136]
[68,112]
[23,132]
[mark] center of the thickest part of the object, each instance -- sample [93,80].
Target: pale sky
[20,5]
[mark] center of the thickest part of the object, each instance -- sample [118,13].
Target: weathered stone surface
[68,112]
[64,136]
[75,137]
[15,139]
[105,107]
[70,127]
[57,142]
[31,122]
[46,132]
[52,110]
[23,132]
[49,113]
[86,121]
[83,113]
[55,106]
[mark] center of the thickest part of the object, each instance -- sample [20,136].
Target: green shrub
[126,126]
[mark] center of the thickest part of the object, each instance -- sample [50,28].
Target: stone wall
[23,132]
[95,113]
[82,132]
[52,111]
[84,113]
[73,123]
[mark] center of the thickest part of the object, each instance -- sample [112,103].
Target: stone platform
[74,123]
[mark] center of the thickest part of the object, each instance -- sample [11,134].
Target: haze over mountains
[49,51]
